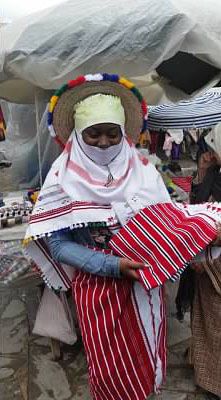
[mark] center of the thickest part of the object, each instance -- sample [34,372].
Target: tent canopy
[52,46]
[202,112]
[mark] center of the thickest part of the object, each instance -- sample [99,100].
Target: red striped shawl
[165,238]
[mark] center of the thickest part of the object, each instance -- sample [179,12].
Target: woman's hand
[128,268]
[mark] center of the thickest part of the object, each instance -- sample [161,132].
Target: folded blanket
[165,237]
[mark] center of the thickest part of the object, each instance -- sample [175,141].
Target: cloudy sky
[11,9]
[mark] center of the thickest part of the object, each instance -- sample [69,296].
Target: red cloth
[184,182]
[165,238]
[125,348]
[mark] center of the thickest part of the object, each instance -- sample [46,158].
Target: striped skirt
[123,331]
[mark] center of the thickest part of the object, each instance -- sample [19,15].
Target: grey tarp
[130,37]
[21,146]
[76,37]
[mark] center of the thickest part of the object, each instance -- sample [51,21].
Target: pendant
[110,179]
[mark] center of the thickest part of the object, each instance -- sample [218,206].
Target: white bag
[54,318]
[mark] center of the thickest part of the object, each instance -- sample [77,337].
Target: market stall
[177,134]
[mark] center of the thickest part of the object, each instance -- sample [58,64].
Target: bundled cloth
[166,237]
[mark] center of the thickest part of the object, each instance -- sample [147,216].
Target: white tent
[128,37]
[41,51]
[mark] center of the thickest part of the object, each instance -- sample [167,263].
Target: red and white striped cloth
[184,182]
[165,237]
[75,192]
[123,330]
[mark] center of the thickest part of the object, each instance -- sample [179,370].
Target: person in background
[206,308]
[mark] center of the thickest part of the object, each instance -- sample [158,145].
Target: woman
[206,313]
[96,185]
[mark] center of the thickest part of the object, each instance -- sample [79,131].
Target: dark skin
[104,136]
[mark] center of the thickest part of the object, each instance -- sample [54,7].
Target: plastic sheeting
[132,38]
[21,146]
[128,37]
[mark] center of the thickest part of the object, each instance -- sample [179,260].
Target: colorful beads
[95,78]
[50,115]
[144,107]
[61,90]
[78,81]
[144,125]
[111,78]
[125,82]
[53,102]
[137,94]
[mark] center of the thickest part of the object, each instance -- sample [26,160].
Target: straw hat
[61,106]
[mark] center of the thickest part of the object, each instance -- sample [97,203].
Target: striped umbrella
[200,112]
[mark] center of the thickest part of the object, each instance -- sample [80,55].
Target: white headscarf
[79,190]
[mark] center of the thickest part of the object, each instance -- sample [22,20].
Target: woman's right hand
[129,268]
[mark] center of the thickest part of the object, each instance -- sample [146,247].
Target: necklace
[110,177]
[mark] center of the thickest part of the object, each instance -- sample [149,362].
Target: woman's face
[102,135]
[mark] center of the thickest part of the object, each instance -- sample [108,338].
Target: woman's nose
[103,142]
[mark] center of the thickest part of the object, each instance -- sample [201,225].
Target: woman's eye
[113,135]
[93,135]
